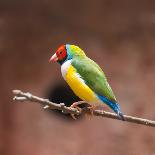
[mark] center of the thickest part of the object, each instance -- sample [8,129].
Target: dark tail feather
[114,106]
[121,116]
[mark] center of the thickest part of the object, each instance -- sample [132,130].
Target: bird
[85,77]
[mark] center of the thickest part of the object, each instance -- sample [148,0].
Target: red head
[60,55]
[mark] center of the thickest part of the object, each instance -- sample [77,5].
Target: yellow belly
[79,87]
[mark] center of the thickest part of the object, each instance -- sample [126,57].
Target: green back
[93,76]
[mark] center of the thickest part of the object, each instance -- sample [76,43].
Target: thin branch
[21,96]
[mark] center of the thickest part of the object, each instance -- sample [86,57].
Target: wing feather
[93,76]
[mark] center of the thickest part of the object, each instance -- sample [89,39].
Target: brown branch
[21,96]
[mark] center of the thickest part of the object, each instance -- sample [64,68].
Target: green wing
[93,76]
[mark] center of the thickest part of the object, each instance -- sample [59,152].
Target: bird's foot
[91,112]
[75,105]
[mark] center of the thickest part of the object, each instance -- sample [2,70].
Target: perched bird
[85,78]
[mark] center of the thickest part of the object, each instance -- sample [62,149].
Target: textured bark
[21,96]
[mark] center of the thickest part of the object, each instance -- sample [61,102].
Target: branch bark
[21,96]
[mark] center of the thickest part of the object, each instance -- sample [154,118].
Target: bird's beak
[53,58]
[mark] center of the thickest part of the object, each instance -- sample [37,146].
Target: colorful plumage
[85,77]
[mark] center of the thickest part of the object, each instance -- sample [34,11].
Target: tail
[114,106]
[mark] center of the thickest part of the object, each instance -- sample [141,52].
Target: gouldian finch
[85,77]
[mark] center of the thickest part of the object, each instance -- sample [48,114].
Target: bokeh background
[119,35]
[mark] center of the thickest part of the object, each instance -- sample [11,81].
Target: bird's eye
[60,52]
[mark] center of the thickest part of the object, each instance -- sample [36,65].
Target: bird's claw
[90,112]
[75,105]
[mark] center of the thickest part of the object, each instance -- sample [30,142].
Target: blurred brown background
[119,35]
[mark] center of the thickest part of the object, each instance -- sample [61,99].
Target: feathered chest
[68,71]
[76,82]
[64,68]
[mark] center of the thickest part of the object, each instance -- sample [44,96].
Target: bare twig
[21,96]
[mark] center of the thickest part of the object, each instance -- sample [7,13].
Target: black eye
[60,52]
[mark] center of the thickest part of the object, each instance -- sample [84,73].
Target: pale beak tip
[53,58]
